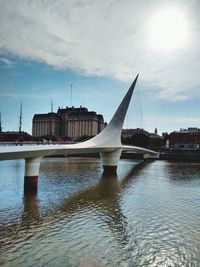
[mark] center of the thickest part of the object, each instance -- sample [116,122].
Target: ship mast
[20,119]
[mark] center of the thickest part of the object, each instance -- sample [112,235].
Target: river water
[147,215]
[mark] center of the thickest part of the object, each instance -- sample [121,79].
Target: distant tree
[49,137]
[156,143]
[84,138]
[125,140]
[139,139]
[66,138]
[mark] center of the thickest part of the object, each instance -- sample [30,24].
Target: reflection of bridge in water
[103,197]
[107,143]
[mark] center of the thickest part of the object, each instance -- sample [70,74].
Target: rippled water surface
[147,215]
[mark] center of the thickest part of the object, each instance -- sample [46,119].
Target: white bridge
[107,143]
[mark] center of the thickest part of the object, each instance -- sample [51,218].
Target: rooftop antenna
[20,118]
[71,95]
[51,106]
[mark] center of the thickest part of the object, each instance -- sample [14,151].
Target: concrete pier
[110,161]
[32,166]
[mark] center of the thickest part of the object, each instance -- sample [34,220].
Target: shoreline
[188,157]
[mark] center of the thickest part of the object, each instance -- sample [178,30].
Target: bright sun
[168,30]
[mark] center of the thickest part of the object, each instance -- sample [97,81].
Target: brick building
[185,139]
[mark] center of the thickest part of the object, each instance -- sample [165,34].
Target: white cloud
[103,38]
[7,62]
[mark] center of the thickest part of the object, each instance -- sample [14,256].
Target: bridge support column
[110,161]
[32,166]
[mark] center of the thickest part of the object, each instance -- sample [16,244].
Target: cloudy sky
[99,46]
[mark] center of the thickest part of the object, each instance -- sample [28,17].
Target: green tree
[84,138]
[156,143]
[139,139]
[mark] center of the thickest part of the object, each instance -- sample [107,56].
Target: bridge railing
[18,143]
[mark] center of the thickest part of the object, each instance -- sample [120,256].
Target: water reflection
[104,196]
[31,210]
[183,171]
[140,217]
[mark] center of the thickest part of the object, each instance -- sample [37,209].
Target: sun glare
[168,30]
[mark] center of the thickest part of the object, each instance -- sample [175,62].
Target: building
[68,122]
[46,124]
[185,139]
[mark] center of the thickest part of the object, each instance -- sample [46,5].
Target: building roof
[71,112]
[45,115]
[189,130]
[72,109]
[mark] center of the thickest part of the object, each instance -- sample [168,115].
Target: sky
[86,52]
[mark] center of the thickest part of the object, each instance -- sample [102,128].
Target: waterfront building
[185,139]
[68,122]
[46,124]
